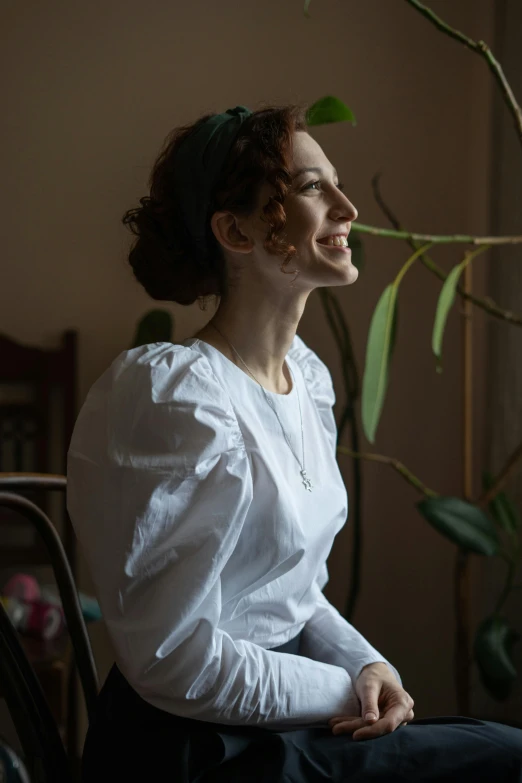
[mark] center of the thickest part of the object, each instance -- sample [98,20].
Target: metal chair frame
[31,715]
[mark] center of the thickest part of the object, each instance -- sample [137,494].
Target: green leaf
[357,247]
[381,340]
[155,327]
[492,651]
[329,109]
[461,522]
[378,354]
[501,508]
[446,299]
[306,7]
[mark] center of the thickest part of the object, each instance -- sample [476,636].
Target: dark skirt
[131,741]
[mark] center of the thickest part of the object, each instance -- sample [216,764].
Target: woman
[204,488]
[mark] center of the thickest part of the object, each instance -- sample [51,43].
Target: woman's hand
[385,705]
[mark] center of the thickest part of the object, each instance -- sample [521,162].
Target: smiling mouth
[337,247]
[342,248]
[337,241]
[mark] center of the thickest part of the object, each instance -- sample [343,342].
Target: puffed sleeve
[159,488]
[327,636]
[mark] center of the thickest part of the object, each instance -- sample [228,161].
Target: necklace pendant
[306,481]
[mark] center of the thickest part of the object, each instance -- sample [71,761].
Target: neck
[261,332]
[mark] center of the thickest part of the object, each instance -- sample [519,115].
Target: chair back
[37,415]
[33,720]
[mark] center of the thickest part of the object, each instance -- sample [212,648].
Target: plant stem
[395,464]
[462,576]
[402,271]
[501,478]
[461,655]
[341,332]
[508,587]
[481,48]
[355,574]
[435,239]
[485,303]
[352,378]
[339,327]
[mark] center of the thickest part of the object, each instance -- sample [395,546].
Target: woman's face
[319,219]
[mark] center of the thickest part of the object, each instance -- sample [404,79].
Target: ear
[226,229]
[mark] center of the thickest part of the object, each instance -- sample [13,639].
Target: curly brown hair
[164,258]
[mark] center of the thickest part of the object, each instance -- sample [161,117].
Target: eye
[311,185]
[317,184]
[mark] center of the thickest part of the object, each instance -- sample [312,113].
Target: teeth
[337,241]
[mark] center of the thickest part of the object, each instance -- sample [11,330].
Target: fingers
[392,719]
[362,729]
[409,717]
[347,725]
[369,696]
[343,718]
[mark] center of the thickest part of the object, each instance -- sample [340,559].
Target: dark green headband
[198,164]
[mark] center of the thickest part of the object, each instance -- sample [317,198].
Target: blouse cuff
[329,637]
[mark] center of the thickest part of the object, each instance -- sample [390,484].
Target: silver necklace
[306,481]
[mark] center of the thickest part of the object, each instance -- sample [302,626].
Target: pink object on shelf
[35,618]
[44,620]
[22,586]
[29,611]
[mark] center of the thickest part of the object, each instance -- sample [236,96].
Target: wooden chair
[37,729]
[37,415]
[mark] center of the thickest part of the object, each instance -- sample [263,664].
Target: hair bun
[158,260]
[165,259]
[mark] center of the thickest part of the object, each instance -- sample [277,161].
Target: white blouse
[204,546]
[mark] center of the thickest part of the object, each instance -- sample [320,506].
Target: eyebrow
[314,169]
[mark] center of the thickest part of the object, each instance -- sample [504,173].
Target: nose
[343,209]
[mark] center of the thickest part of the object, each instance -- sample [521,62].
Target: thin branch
[482,49]
[502,477]
[395,464]
[485,303]
[354,384]
[445,28]
[508,587]
[436,239]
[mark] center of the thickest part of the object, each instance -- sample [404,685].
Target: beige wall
[90,91]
